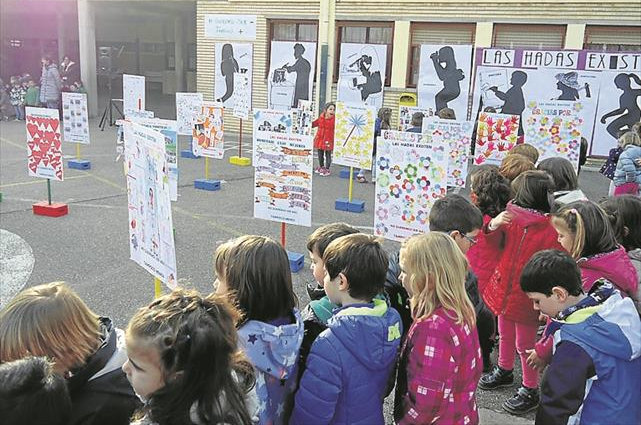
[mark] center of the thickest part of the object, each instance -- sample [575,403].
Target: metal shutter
[440,33]
[613,38]
[511,36]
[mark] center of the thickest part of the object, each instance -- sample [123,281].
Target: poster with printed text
[457,136]
[44,143]
[412,175]
[291,73]
[283,178]
[207,136]
[444,77]
[270,121]
[133,93]
[188,106]
[405,114]
[75,117]
[302,118]
[619,109]
[168,129]
[230,27]
[496,134]
[354,135]
[232,80]
[151,237]
[361,74]
[509,90]
[554,128]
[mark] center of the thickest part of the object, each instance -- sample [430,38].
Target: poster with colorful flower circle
[411,176]
[496,134]
[458,136]
[554,128]
[354,135]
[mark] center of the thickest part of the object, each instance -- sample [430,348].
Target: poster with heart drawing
[44,143]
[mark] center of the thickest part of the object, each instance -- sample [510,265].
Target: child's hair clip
[574,211]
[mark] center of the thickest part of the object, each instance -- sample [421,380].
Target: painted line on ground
[40,181]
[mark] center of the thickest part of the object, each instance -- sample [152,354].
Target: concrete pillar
[483,37]
[400,53]
[61,34]
[87,53]
[574,36]
[326,52]
[179,60]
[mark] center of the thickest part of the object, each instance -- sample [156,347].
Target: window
[435,33]
[612,39]
[281,30]
[510,36]
[366,33]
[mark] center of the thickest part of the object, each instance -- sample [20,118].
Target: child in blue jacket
[596,363]
[627,175]
[350,363]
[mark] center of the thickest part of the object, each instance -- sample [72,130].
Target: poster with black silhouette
[543,84]
[362,74]
[619,109]
[291,74]
[233,70]
[444,77]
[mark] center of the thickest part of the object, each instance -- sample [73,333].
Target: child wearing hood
[596,367]
[253,271]
[350,363]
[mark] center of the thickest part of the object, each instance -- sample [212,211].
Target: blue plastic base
[296,261]
[187,153]
[344,174]
[356,206]
[79,164]
[205,184]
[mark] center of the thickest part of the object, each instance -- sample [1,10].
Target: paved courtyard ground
[88,248]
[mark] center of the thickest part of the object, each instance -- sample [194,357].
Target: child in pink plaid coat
[440,362]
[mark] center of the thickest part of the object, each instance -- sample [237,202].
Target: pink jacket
[439,370]
[482,259]
[615,266]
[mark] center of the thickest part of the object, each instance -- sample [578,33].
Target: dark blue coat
[349,366]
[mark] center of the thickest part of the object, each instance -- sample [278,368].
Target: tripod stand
[111,105]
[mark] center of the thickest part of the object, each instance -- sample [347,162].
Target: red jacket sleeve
[544,346]
[433,373]
[494,238]
[315,122]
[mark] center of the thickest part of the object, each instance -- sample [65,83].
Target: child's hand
[543,318]
[534,361]
[500,220]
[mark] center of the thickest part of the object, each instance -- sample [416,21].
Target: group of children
[22,91]
[527,249]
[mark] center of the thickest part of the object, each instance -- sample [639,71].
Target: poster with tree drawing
[354,135]
[411,176]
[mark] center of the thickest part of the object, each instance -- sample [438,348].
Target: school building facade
[403,25]
[165,40]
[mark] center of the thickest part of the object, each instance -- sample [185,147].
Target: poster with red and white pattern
[44,143]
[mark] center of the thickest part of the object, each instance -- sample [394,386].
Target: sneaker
[326,172]
[361,179]
[317,170]
[525,400]
[497,378]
